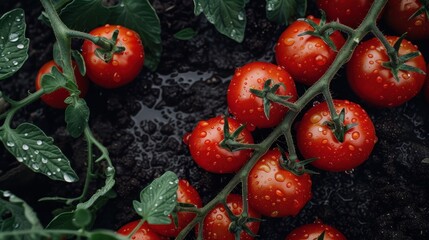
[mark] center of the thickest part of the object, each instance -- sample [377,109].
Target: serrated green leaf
[76,117]
[185,34]
[284,11]
[78,58]
[141,17]
[63,221]
[158,199]
[32,147]
[84,15]
[16,214]
[228,16]
[13,43]
[53,81]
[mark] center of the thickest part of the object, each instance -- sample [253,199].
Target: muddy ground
[142,125]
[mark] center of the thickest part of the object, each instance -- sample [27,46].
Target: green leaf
[76,117]
[158,199]
[16,214]
[185,34]
[32,147]
[63,221]
[141,17]
[228,16]
[13,43]
[78,58]
[84,15]
[285,11]
[53,81]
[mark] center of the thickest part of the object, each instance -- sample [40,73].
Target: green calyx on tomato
[338,127]
[231,141]
[397,63]
[268,95]
[106,54]
[318,32]
[294,166]
[423,9]
[239,223]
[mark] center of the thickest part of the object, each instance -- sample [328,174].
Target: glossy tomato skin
[397,14]
[306,57]
[316,140]
[247,107]
[144,232]
[124,66]
[186,193]
[217,221]
[313,231]
[347,12]
[209,155]
[56,99]
[274,191]
[374,83]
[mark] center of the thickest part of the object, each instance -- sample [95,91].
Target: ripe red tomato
[313,231]
[209,155]
[186,193]
[316,140]
[123,67]
[249,108]
[397,17]
[144,232]
[56,99]
[348,12]
[306,57]
[217,221]
[374,83]
[274,191]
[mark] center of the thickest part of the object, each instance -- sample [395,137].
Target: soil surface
[142,125]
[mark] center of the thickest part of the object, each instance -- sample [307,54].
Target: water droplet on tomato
[203,134]
[116,77]
[289,41]
[279,177]
[279,193]
[351,147]
[418,22]
[207,141]
[315,118]
[265,168]
[320,60]
[355,135]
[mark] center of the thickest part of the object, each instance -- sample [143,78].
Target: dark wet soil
[142,125]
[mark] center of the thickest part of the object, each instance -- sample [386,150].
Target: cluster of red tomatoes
[122,68]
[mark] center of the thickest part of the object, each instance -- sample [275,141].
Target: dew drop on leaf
[25,147]
[10,144]
[39,142]
[13,37]
[20,46]
[68,178]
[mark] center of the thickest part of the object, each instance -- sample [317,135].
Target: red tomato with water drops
[274,191]
[249,108]
[123,67]
[306,57]
[315,139]
[209,155]
[374,83]
[186,193]
[217,222]
[144,232]
[397,15]
[347,12]
[56,99]
[312,231]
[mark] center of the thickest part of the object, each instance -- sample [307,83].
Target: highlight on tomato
[252,91]
[56,99]
[204,145]
[306,57]
[374,82]
[118,66]
[344,149]
[275,191]
[316,230]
